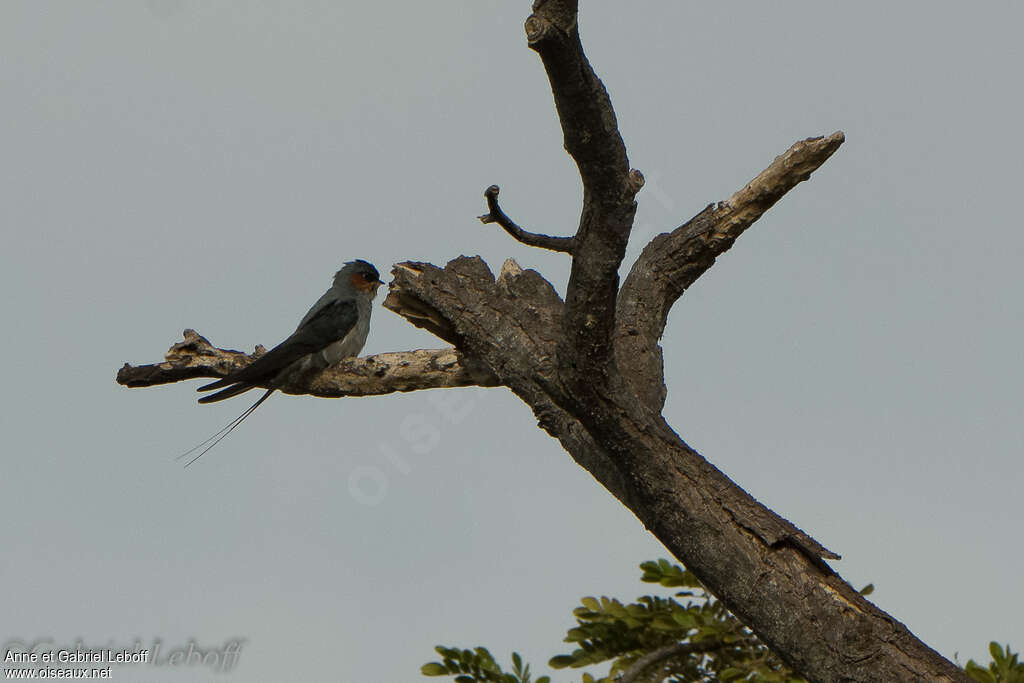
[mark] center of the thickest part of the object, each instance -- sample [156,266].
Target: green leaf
[433,669]
[484,658]
[976,673]
[685,619]
[616,609]
[591,604]
[561,661]
[650,567]
[731,674]
[868,589]
[996,652]
[517,661]
[663,624]
[575,635]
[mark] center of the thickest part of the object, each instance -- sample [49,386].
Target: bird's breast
[349,345]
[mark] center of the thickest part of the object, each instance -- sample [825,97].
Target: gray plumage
[335,328]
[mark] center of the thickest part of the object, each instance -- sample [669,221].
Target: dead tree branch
[496,215]
[673,261]
[592,139]
[384,373]
[590,368]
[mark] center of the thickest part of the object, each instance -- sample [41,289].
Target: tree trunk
[591,369]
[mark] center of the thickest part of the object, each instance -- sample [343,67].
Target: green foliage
[1005,667]
[686,636]
[608,630]
[718,646]
[478,666]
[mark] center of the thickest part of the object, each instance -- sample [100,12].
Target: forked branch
[673,261]
[514,330]
[592,139]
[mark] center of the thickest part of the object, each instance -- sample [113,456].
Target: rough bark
[591,369]
[384,373]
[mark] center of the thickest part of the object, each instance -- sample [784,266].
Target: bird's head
[360,275]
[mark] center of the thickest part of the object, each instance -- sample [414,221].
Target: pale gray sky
[855,361]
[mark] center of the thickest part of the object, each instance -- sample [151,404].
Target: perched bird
[334,328]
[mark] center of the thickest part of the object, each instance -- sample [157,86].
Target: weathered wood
[591,370]
[383,373]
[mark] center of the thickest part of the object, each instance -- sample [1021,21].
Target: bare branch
[671,262]
[416,309]
[509,323]
[496,215]
[387,373]
[515,331]
[592,138]
[585,111]
[384,373]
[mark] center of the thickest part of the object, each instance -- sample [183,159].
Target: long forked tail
[235,390]
[230,427]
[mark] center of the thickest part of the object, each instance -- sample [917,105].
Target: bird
[335,328]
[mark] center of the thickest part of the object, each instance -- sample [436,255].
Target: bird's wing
[322,327]
[326,299]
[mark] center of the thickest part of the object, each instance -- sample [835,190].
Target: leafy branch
[683,637]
